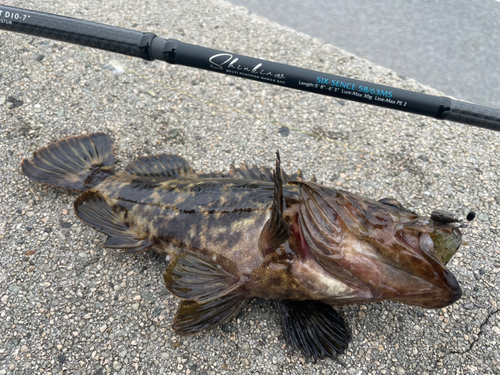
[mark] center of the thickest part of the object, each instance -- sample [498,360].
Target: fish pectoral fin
[314,327]
[163,165]
[276,230]
[91,208]
[191,278]
[193,317]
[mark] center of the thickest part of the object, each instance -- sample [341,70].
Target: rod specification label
[7,17]
[354,90]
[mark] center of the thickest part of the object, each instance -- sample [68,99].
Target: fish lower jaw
[432,301]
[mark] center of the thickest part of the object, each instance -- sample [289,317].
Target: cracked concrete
[491,368]
[478,336]
[476,339]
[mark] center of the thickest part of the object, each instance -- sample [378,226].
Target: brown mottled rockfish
[258,233]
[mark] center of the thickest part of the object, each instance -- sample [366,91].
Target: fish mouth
[432,300]
[455,295]
[437,287]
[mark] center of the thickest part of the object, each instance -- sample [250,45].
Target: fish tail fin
[68,163]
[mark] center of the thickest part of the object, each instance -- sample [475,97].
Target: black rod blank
[150,47]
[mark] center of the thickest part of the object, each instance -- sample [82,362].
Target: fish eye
[393,203]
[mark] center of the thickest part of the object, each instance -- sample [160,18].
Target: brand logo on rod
[227,61]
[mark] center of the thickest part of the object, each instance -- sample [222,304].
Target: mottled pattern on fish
[215,217]
[257,233]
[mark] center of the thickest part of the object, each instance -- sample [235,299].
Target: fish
[258,233]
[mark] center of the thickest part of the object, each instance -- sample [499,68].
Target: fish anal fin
[191,278]
[93,209]
[314,328]
[163,165]
[193,317]
[276,230]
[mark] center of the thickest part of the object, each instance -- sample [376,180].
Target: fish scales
[215,217]
[258,233]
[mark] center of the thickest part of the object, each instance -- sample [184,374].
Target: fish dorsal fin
[252,173]
[163,165]
[243,173]
[193,317]
[174,166]
[276,230]
[91,208]
[263,174]
[255,173]
[191,278]
[297,176]
[314,328]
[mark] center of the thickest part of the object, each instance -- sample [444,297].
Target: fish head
[378,248]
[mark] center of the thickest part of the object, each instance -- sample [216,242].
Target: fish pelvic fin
[93,209]
[193,317]
[210,293]
[314,328]
[70,162]
[276,230]
[191,278]
[163,165]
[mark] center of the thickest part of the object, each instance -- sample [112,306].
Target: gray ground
[451,45]
[68,306]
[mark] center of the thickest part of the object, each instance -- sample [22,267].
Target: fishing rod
[151,47]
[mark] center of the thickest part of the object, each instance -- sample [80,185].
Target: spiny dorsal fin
[191,278]
[193,317]
[93,210]
[174,166]
[297,176]
[252,173]
[242,173]
[314,328]
[255,173]
[276,230]
[164,165]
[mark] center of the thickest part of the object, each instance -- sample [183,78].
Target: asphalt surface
[68,306]
[451,45]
